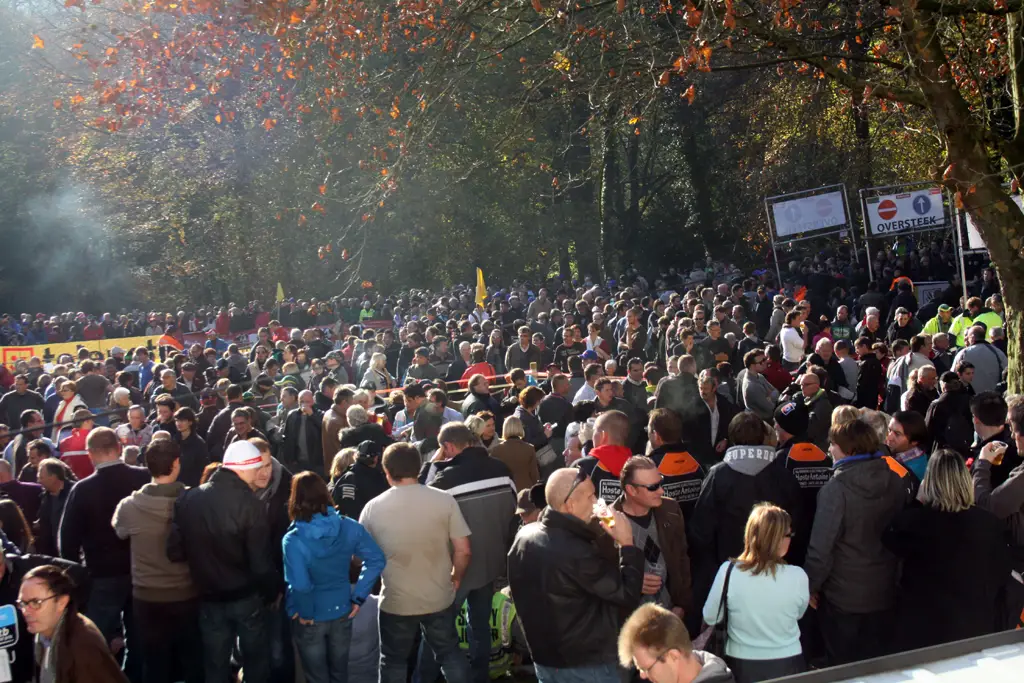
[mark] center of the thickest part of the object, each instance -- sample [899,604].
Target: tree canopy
[213,148]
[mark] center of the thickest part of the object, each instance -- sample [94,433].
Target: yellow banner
[9,355]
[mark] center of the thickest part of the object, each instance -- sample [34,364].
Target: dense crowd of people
[705,476]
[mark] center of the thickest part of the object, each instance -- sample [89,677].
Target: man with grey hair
[302,444]
[998,335]
[135,432]
[988,361]
[870,328]
[942,357]
[361,428]
[462,361]
[862,324]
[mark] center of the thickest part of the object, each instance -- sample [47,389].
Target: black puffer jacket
[194,458]
[222,530]
[747,475]
[355,488]
[949,422]
[568,597]
[475,403]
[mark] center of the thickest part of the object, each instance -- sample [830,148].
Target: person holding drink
[1006,502]
[568,596]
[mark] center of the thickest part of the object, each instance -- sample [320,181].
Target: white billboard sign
[926,291]
[809,214]
[905,211]
[974,241]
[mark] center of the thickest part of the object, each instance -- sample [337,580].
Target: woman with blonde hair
[955,559]
[518,455]
[482,424]
[345,458]
[844,414]
[761,598]
[377,376]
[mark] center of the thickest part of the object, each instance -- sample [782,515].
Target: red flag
[168,340]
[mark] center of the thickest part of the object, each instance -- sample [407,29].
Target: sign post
[900,210]
[803,215]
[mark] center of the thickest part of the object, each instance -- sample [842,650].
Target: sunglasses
[650,487]
[581,477]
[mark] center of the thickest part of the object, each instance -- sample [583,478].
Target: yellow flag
[280,293]
[481,288]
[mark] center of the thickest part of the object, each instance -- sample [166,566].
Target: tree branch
[950,9]
[794,49]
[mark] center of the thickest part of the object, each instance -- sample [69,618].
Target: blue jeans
[323,649]
[398,635]
[110,608]
[601,673]
[478,603]
[221,623]
[282,655]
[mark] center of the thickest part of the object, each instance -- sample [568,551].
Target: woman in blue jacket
[318,550]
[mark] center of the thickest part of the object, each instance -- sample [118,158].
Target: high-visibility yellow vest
[503,612]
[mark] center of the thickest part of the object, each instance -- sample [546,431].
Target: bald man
[568,596]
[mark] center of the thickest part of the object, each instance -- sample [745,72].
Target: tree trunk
[631,211]
[610,202]
[861,124]
[970,174]
[696,168]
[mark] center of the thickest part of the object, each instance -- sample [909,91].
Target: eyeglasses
[581,477]
[642,671]
[791,535]
[650,487]
[34,603]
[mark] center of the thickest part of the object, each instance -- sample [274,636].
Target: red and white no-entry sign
[887,209]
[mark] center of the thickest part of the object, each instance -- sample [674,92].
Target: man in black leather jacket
[568,597]
[223,531]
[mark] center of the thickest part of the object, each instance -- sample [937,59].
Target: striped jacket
[483,487]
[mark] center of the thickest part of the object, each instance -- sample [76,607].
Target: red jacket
[92,333]
[223,325]
[73,452]
[777,376]
[6,378]
[484,369]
